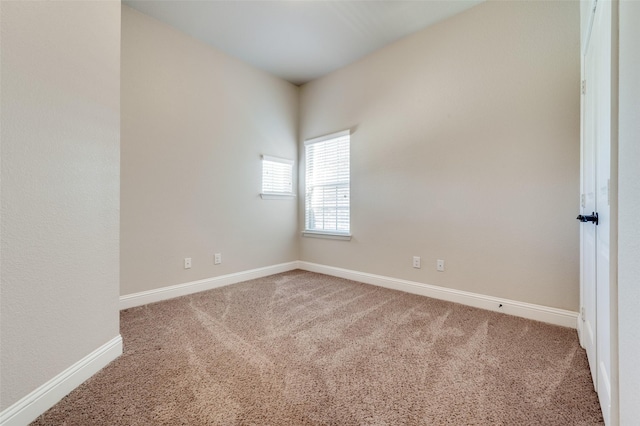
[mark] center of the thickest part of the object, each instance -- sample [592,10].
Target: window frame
[317,233]
[267,195]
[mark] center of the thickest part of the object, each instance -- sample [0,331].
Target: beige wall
[466,148]
[194,125]
[60,188]
[629,212]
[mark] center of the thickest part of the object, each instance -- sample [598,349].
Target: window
[327,185]
[277,177]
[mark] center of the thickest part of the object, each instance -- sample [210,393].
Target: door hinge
[582,314]
[584,87]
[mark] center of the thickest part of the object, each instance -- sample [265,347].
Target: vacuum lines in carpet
[302,348]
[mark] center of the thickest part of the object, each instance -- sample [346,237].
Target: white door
[588,229]
[596,164]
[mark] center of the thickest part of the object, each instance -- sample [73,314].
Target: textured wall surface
[465,148]
[629,212]
[60,187]
[194,125]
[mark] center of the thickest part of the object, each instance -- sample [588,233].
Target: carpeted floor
[301,348]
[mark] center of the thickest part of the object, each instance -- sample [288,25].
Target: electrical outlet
[217,258]
[440,265]
[187,263]
[416,262]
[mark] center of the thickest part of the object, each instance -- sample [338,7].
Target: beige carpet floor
[301,348]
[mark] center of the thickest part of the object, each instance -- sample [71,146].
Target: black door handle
[593,217]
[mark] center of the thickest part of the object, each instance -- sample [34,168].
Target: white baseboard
[511,307]
[37,402]
[580,329]
[164,293]
[604,392]
[546,314]
[46,396]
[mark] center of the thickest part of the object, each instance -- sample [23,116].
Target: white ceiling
[299,40]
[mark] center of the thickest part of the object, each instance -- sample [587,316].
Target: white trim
[327,137]
[604,393]
[546,314]
[277,195]
[164,293]
[328,235]
[277,160]
[40,400]
[46,396]
[580,329]
[593,4]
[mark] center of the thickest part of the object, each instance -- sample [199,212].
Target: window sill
[327,235]
[277,196]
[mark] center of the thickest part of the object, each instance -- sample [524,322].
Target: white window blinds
[277,176]
[327,184]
